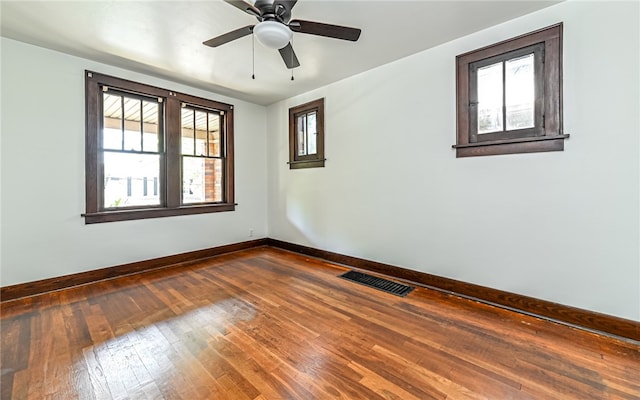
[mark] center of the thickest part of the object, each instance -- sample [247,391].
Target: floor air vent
[377,283]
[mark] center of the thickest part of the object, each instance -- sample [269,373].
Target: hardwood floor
[269,324]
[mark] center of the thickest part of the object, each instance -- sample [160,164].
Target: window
[153,153]
[202,158]
[131,127]
[510,96]
[306,135]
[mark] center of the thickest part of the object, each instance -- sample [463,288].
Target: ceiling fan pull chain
[253,56]
[292,58]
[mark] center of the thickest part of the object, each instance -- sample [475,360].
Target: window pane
[132,124]
[187,131]
[150,125]
[201,133]
[490,98]
[125,177]
[311,133]
[112,122]
[214,134]
[132,140]
[520,92]
[201,180]
[112,139]
[301,134]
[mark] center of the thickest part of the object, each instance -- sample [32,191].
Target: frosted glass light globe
[273,34]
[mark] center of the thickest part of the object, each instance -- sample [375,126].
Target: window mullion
[504,96]
[173,181]
[206,132]
[305,133]
[193,127]
[141,126]
[122,123]
[222,134]
[308,133]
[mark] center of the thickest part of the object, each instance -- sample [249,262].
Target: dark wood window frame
[171,171]
[547,134]
[310,160]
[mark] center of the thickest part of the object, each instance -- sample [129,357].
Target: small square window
[306,135]
[509,96]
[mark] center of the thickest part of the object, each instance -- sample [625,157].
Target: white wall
[561,226]
[42,169]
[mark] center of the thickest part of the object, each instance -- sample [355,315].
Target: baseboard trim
[20,290]
[576,317]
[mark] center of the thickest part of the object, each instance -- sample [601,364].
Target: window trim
[172,185]
[551,137]
[222,148]
[313,160]
[538,51]
[160,150]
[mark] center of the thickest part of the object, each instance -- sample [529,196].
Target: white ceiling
[164,38]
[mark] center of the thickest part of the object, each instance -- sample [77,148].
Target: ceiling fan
[275,28]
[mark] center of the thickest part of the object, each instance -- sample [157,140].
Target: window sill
[128,215]
[306,164]
[511,146]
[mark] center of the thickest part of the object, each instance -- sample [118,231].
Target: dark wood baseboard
[584,319]
[52,284]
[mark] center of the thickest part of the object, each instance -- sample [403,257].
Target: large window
[510,96]
[152,152]
[306,135]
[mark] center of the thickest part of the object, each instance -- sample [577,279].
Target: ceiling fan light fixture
[272,34]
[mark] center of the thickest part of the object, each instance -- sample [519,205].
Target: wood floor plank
[60,366]
[154,351]
[39,356]
[16,335]
[97,377]
[267,324]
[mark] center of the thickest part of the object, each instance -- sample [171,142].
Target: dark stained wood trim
[314,160]
[173,186]
[511,147]
[509,141]
[229,170]
[171,158]
[576,317]
[551,97]
[131,214]
[91,143]
[20,290]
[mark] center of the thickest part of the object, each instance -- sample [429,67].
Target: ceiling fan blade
[229,36]
[289,56]
[328,30]
[244,6]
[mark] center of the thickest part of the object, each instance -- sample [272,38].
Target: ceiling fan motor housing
[274,10]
